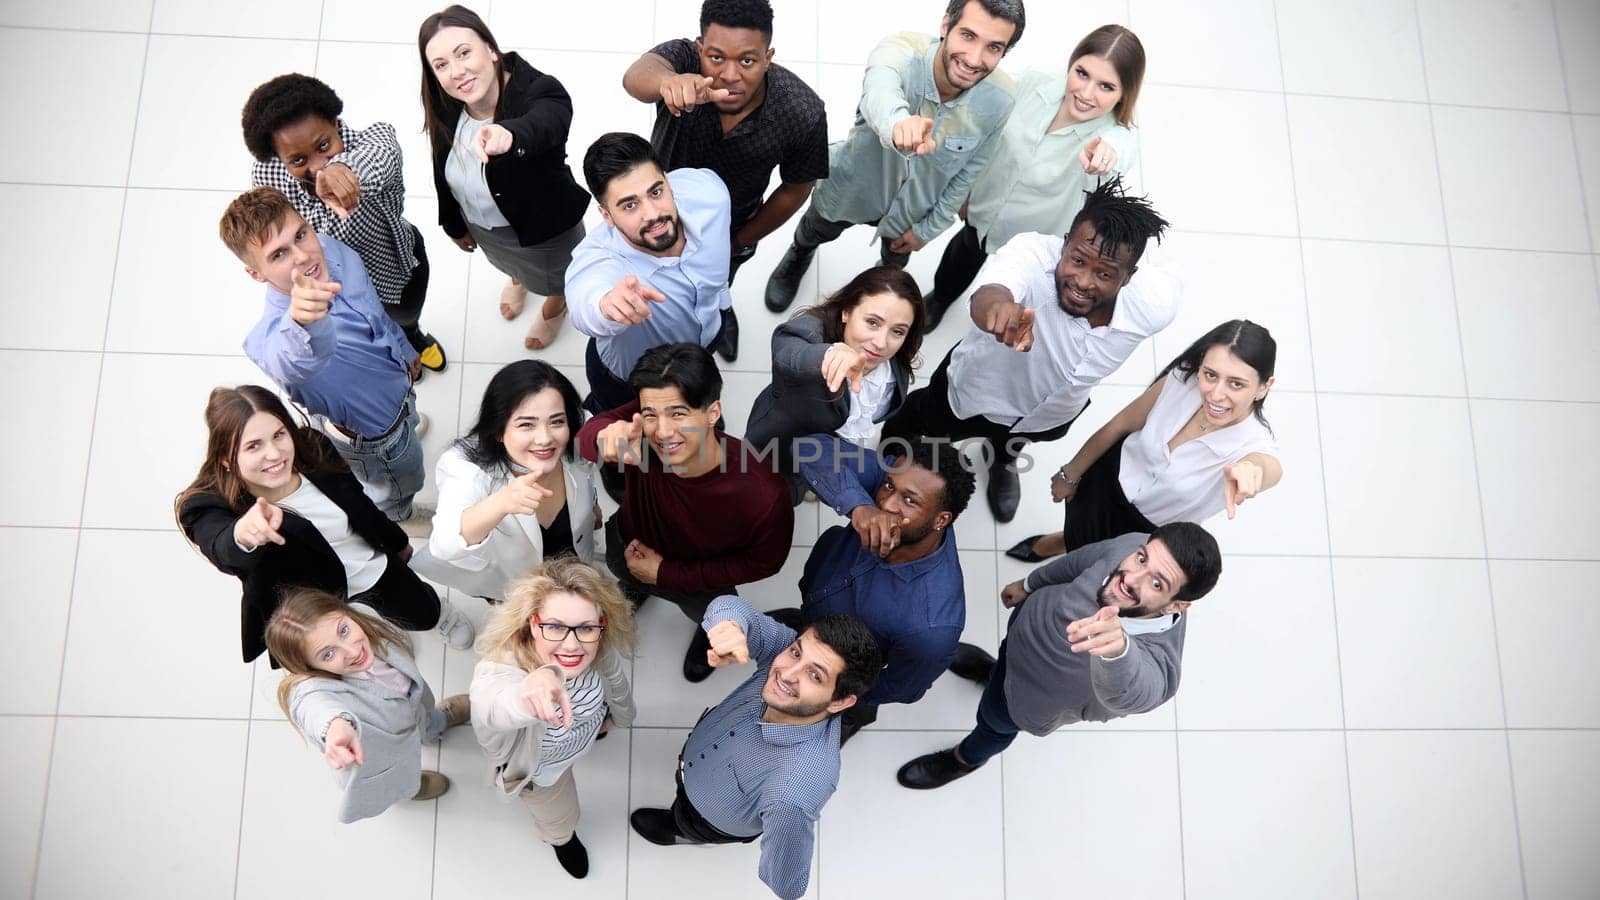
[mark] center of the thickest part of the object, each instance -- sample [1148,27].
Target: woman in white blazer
[352,687]
[552,671]
[512,491]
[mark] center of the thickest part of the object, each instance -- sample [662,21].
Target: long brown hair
[876,280]
[298,613]
[440,110]
[227,412]
[508,635]
[1120,47]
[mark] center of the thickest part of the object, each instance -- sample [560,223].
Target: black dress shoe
[972,663]
[573,857]
[788,616]
[785,280]
[727,342]
[1004,492]
[656,826]
[937,306]
[695,666]
[1023,549]
[932,770]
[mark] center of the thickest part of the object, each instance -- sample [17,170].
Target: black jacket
[531,182]
[304,559]
[797,402]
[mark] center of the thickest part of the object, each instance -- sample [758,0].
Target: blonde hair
[508,635]
[298,613]
[250,219]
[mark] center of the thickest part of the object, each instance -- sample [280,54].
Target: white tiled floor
[1390,695]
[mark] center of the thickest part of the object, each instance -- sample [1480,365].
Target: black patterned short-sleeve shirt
[789,131]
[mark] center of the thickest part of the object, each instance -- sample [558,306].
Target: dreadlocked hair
[1119,220]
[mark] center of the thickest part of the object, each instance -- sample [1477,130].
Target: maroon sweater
[728,527]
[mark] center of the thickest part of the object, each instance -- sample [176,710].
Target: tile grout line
[244,782]
[1477,469]
[1327,515]
[83,499]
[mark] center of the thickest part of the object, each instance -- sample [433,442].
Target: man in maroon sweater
[702,513]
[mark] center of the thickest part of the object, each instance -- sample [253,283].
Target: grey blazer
[391,729]
[797,402]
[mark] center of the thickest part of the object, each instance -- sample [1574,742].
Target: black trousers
[403,598]
[959,265]
[693,603]
[1099,509]
[408,311]
[814,230]
[694,826]
[927,414]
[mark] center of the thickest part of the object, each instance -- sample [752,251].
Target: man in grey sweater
[1094,635]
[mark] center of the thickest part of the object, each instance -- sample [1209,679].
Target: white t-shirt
[363,564]
[468,178]
[1186,484]
[861,427]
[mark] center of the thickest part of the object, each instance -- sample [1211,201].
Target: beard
[1109,595]
[665,242]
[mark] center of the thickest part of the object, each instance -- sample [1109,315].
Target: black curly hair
[282,101]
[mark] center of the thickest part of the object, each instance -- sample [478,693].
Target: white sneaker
[456,628]
[420,525]
[422,425]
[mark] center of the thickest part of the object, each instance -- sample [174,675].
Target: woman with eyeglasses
[552,672]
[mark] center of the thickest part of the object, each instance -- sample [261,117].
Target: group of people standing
[314,509]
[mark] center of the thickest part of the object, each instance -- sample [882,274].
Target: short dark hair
[853,641]
[1119,220]
[614,154]
[945,461]
[752,14]
[483,444]
[284,101]
[685,366]
[1004,10]
[1196,553]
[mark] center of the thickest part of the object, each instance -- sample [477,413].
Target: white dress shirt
[1049,385]
[363,564]
[464,172]
[867,407]
[1186,484]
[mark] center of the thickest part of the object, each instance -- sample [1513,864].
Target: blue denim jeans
[995,730]
[390,470]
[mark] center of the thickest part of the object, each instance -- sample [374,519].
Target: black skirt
[1100,510]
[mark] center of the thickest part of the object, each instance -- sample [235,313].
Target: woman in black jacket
[274,506]
[498,128]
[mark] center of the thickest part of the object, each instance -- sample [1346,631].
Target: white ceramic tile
[33,631]
[1577,24]
[1289,791]
[389,21]
[379,83]
[291,813]
[1382,454]
[1054,30]
[1292,517]
[572,27]
[1587,131]
[1423,828]
[599,105]
[444,314]
[1557,794]
[1404,664]
[1317,40]
[1349,188]
[1540,508]
[44,480]
[110,87]
[489,337]
[43,220]
[1267,614]
[1217,160]
[1541,665]
[1112,786]
[158,818]
[1498,195]
[1459,37]
[117,650]
[1496,338]
[300,19]
[871,819]
[98,15]
[1383,318]
[438,398]
[723,872]
[1213,43]
[853,29]
[150,434]
[188,134]
[951,701]
[27,740]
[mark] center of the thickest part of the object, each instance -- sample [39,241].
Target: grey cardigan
[1046,684]
[797,402]
[391,729]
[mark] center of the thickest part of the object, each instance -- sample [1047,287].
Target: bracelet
[345,716]
[1061,473]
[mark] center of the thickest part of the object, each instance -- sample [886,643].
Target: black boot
[785,280]
[933,770]
[937,307]
[696,667]
[972,663]
[656,826]
[727,342]
[1005,490]
[573,857]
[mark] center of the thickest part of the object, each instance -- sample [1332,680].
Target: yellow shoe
[432,355]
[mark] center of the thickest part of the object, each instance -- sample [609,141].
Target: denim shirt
[870,181]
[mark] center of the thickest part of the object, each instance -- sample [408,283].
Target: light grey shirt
[870,181]
[465,174]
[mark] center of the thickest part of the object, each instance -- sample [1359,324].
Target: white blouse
[467,177]
[363,564]
[867,407]
[1186,484]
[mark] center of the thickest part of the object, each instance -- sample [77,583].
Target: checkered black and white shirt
[377,230]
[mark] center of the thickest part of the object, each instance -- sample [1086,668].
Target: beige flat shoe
[433,786]
[543,334]
[512,299]
[457,710]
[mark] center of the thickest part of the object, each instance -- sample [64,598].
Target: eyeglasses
[555,633]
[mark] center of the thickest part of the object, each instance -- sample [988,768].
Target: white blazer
[514,546]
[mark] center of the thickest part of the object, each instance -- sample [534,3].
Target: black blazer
[797,402]
[304,559]
[531,182]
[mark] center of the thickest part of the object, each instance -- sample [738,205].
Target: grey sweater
[1046,684]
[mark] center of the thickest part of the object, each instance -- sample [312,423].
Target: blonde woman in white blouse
[552,670]
[1194,444]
